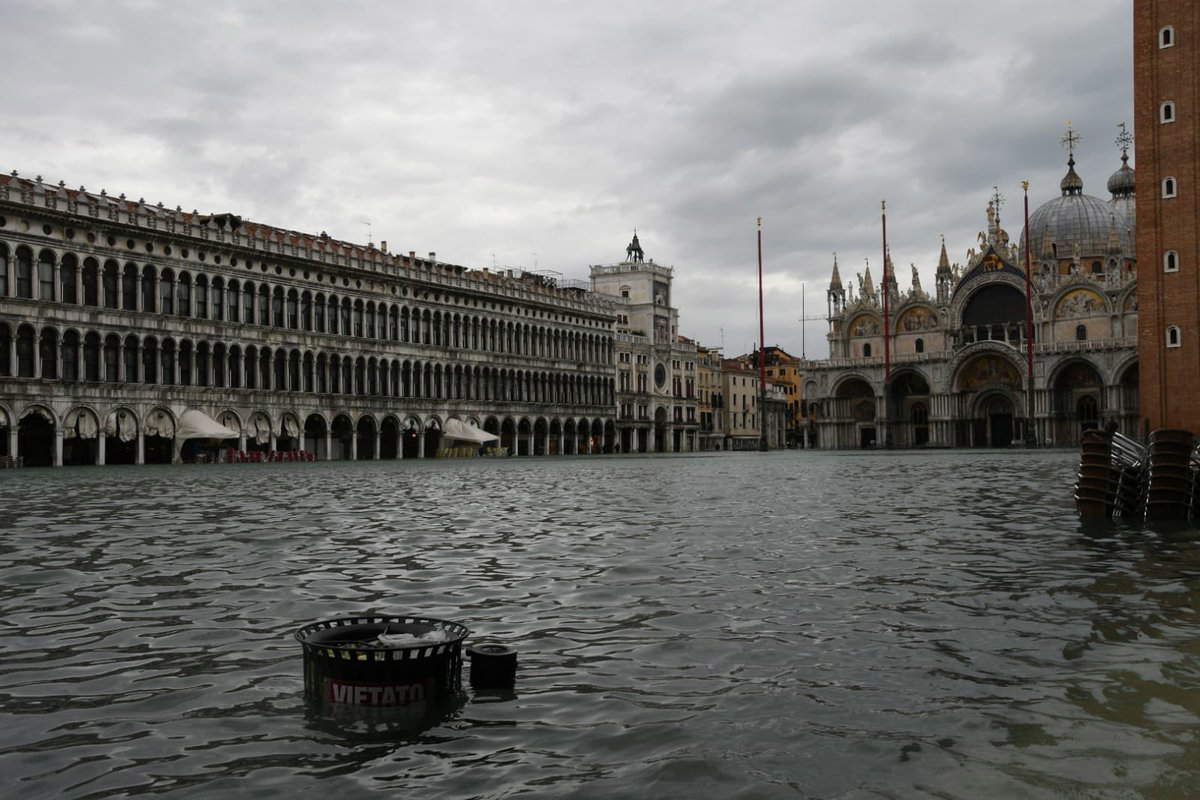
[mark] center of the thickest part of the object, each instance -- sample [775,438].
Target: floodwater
[796,624]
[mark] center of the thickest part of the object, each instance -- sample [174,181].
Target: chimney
[383,245]
[432,256]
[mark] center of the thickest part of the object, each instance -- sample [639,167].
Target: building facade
[959,369]
[743,429]
[117,316]
[1167,121]
[711,400]
[656,370]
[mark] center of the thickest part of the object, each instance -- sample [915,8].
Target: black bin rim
[455,633]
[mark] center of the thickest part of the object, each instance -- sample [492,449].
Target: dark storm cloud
[544,132]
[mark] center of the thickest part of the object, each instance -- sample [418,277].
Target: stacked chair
[1171,485]
[1121,479]
[1111,475]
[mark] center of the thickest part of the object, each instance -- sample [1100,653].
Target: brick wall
[1169,376]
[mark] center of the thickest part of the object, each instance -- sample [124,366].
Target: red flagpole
[1030,436]
[887,349]
[762,353]
[887,331]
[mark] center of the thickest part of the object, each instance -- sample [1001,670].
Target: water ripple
[791,625]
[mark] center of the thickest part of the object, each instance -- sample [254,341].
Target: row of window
[109,358]
[146,290]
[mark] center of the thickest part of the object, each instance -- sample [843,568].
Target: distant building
[740,387]
[118,317]
[786,370]
[1166,63]
[655,367]
[711,399]
[959,375]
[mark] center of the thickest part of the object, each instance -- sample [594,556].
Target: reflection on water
[734,625]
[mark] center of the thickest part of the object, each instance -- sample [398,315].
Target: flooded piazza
[794,624]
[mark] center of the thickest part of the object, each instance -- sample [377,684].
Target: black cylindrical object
[493,666]
[346,663]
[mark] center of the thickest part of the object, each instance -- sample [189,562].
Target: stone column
[12,439]
[37,354]
[58,446]
[56,289]
[650,440]
[100,447]
[80,298]
[379,443]
[141,447]
[302,442]
[328,444]
[354,444]
[273,442]
[420,444]
[532,449]
[241,442]
[560,443]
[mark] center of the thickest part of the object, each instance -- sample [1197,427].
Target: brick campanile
[1166,74]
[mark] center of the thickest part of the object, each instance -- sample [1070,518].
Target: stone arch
[120,432]
[389,437]
[365,429]
[36,431]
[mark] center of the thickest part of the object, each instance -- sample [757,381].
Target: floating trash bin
[376,661]
[493,666]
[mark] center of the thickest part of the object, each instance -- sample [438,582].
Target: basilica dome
[1080,219]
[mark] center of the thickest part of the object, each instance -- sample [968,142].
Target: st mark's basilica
[958,357]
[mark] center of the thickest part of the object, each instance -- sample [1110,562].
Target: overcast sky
[540,135]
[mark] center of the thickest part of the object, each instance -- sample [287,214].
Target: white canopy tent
[195,424]
[466,432]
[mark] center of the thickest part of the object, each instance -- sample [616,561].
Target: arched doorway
[35,438]
[555,431]
[610,436]
[410,441]
[433,438]
[540,429]
[120,437]
[341,435]
[910,403]
[855,410]
[597,445]
[158,437]
[660,430]
[524,429]
[81,438]
[1077,401]
[508,435]
[389,438]
[314,435]
[287,438]
[569,437]
[994,421]
[366,439]
[988,385]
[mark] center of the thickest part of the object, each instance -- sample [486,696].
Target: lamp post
[762,355]
[1030,434]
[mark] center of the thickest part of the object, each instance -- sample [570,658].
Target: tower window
[1166,112]
[1166,37]
[920,345]
[1170,261]
[1081,333]
[1168,187]
[1173,339]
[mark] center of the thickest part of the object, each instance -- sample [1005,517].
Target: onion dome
[1122,183]
[1077,220]
[1071,182]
